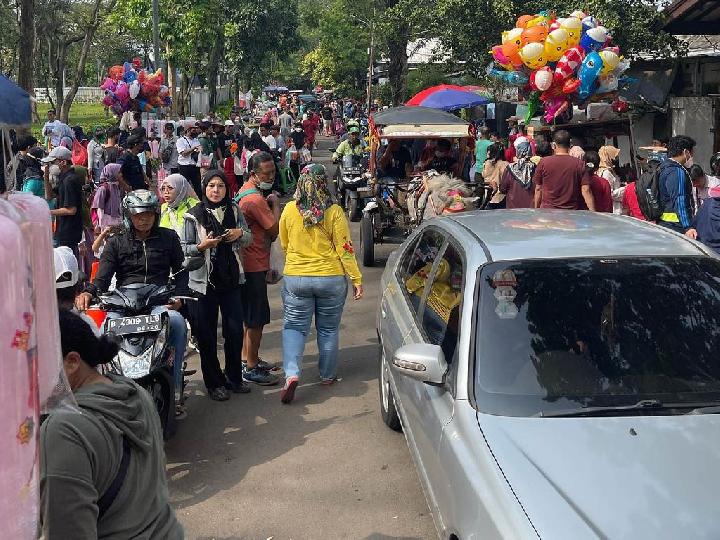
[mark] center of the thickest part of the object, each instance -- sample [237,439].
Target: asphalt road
[324,467]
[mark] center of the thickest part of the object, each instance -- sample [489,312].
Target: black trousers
[192,175]
[204,323]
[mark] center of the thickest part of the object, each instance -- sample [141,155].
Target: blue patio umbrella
[14,105]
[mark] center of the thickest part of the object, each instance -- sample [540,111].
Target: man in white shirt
[267,138]
[188,150]
[51,128]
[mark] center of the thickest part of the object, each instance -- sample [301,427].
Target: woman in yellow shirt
[315,235]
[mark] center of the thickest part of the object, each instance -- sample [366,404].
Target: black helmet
[715,163]
[137,202]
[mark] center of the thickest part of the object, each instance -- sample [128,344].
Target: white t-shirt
[270,141]
[183,144]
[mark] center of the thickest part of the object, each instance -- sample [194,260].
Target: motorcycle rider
[353,146]
[144,253]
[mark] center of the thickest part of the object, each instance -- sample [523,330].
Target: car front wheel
[387,400]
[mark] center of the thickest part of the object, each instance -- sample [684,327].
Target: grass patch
[87,115]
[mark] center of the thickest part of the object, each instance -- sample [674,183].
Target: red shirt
[601,193]
[630,202]
[561,178]
[259,217]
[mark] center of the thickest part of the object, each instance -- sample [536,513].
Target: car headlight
[135,367]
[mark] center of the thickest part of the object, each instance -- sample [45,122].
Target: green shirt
[481,148]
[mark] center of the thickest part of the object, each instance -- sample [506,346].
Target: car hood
[630,477]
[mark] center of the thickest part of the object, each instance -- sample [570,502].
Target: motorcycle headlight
[135,367]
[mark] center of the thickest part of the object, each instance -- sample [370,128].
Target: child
[599,186]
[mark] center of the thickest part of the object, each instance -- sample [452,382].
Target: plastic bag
[277,263]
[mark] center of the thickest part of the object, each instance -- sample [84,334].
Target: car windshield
[566,334]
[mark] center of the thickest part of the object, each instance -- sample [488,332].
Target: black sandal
[218,394]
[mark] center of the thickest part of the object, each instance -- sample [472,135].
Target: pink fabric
[19,421]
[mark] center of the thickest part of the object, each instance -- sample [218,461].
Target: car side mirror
[421,361]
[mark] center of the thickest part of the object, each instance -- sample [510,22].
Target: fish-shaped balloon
[588,74]
[533,55]
[515,78]
[573,26]
[594,39]
[568,63]
[556,44]
[610,61]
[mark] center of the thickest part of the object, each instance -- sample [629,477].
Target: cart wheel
[367,245]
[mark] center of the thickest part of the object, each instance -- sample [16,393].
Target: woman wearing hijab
[108,198]
[516,183]
[178,198]
[216,231]
[315,235]
[493,170]
[608,161]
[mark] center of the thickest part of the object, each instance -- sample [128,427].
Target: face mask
[55,170]
[265,186]
[689,163]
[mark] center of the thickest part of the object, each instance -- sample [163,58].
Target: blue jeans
[302,296]
[177,339]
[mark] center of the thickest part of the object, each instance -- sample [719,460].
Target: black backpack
[167,153]
[647,189]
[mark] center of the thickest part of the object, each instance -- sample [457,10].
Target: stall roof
[425,131]
[694,17]
[416,116]
[652,82]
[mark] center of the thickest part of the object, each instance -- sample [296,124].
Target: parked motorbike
[145,354]
[351,181]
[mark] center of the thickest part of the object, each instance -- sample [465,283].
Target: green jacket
[174,218]
[80,455]
[209,145]
[346,149]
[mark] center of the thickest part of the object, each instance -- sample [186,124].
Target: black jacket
[137,261]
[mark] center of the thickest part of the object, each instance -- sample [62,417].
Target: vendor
[443,160]
[396,161]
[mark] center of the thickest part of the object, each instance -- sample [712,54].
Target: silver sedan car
[556,375]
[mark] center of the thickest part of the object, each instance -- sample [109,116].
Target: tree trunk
[398,68]
[184,92]
[213,68]
[82,60]
[171,82]
[25,63]
[58,71]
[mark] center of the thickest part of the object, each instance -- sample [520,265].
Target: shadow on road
[220,441]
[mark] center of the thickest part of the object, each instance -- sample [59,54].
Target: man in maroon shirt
[561,180]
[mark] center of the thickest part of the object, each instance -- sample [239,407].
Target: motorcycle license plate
[134,325]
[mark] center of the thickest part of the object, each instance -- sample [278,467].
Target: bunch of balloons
[131,88]
[562,61]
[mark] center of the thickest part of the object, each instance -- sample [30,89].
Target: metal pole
[156,34]
[372,62]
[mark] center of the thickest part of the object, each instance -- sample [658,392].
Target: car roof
[542,234]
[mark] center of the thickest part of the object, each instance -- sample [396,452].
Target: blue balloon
[515,78]
[588,74]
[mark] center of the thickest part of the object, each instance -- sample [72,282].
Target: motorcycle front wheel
[161,387]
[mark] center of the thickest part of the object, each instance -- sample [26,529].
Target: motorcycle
[351,181]
[145,354]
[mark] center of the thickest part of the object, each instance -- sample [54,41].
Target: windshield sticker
[506,310]
[540,223]
[505,293]
[504,278]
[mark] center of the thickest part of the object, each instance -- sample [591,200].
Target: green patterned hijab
[312,196]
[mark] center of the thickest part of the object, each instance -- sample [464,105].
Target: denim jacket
[194,233]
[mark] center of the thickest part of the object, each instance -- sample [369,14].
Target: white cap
[67,272]
[59,152]
[229,123]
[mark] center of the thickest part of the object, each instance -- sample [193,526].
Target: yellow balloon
[610,61]
[533,55]
[556,44]
[540,19]
[573,26]
[579,14]
[512,35]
